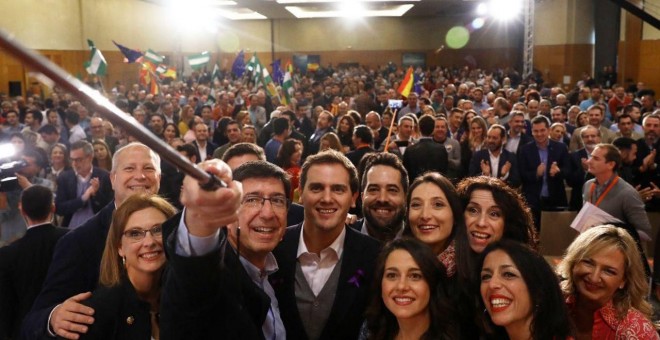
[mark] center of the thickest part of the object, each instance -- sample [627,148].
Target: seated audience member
[406,268]
[126,304]
[605,286]
[24,263]
[512,274]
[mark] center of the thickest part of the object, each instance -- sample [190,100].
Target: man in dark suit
[24,263]
[323,126]
[495,161]
[425,155]
[207,282]
[590,137]
[84,190]
[383,188]
[378,130]
[516,136]
[74,271]
[204,146]
[543,166]
[362,139]
[325,268]
[97,132]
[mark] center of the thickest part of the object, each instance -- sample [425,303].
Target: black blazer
[356,155]
[210,147]
[352,297]
[483,155]
[113,306]
[210,296]
[74,270]
[67,200]
[576,178]
[23,268]
[425,155]
[529,160]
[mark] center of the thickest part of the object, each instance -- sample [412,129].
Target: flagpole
[101,104]
[389,133]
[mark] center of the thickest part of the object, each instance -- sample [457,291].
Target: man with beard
[441,136]
[648,159]
[384,187]
[590,138]
[495,161]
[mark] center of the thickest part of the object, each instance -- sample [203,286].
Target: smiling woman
[521,295]
[410,300]
[127,301]
[606,286]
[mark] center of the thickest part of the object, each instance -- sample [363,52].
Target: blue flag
[238,67]
[131,56]
[278,75]
[417,83]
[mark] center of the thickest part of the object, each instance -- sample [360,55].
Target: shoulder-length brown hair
[111,267]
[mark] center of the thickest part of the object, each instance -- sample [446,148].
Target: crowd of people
[350,212]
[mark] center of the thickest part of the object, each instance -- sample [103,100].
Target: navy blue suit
[351,299]
[73,270]
[67,200]
[529,160]
[506,156]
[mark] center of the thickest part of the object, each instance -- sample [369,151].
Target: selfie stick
[97,102]
[389,133]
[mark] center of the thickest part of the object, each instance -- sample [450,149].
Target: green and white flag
[252,63]
[197,61]
[153,57]
[287,88]
[96,64]
[216,72]
[268,82]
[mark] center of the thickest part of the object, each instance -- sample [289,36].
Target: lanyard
[602,196]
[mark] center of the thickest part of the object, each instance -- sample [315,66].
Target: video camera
[8,180]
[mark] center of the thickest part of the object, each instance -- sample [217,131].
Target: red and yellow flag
[407,83]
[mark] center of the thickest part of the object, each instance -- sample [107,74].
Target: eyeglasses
[257,202]
[137,235]
[78,160]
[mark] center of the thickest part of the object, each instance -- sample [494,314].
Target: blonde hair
[595,240]
[111,268]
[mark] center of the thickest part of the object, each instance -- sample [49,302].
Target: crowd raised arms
[408,217]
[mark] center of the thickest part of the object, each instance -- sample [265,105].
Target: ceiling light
[304,12]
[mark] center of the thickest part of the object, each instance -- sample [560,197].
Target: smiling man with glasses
[218,283]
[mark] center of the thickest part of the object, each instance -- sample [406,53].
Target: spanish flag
[407,83]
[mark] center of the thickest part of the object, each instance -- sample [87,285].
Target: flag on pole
[417,83]
[130,56]
[238,67]
[96,64]
[170,72]
[153,57]
[216,73]
[268,82]
[288,67]
[197,61]
[278,76]
[407,83]
[287,88]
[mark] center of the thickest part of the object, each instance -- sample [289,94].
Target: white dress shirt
[317,269]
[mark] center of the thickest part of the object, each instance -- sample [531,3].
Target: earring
[123,260]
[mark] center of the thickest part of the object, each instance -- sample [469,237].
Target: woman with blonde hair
[331,141]
[474,140]
[127,301]
[187,114]
[605,286]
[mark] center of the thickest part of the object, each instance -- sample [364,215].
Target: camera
[395,103]
[8,180]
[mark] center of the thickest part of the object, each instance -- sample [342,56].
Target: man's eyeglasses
[137,235]
[255,201]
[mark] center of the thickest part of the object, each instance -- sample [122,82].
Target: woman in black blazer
[127,300]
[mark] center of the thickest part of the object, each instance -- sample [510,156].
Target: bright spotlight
[478,23]
[505,10]
[482,9]
[7,150]
[351,9]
